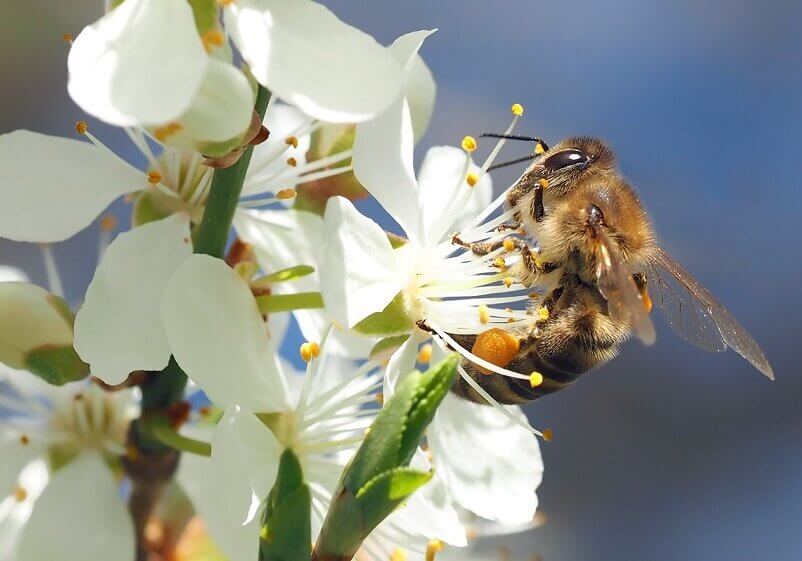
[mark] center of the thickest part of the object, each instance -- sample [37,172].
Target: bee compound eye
[565,158]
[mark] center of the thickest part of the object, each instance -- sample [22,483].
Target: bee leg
[483,248]
[504,227]
[538,212]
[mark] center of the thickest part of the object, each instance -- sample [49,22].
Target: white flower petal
[401,362]
[220,112]
[306,56]
[419,86]
[80,515]
[489,464]
[16,456]
[286,238]
[245,455]
[439,186]
[140,64]
[12,274]
[218,336]
[358,264]
[54,187]
[14,514]
[119,328]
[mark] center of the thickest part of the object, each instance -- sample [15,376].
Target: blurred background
[667,452]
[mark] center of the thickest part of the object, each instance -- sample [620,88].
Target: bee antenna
[515,137]
[513,162]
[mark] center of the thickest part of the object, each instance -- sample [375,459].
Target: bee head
[572,161]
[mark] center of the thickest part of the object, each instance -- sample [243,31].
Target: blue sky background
[667,452]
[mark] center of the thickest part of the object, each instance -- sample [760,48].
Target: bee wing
[694,313]
[616,284]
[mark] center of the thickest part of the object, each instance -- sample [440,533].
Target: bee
[583,235]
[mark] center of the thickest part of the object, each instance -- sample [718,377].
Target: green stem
[271,303]
[160,429]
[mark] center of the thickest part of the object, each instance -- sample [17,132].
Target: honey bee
[601,267]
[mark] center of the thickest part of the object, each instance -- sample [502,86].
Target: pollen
[469,144]
[292,162]
[154,177]
[509,244]
[425,354]
[472,179]
[163,133]
[543,182]
[535,379]
[67,37]
[108,222]
[291,141]
[484,314]
[508,281]
[306,352]
[517,109]
[380,398]
[496,346]
[542,313]
[534,295]
[286,194]
[432,548]
[540,149]
[20,494]
[500,263]
[212,38]
[548,435]
[315,348]
[398,554]
[81,127]
[24,440]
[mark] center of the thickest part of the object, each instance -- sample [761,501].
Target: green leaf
[286,530]
[205,12]
[434,384]
[271,303]
[392,320]
[56,365]
[386,347]
[288,274]
[394,485]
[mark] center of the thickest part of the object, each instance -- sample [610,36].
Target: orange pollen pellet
[154,177]
[24,440]
[81,127]
[291,141]
[20,494]
[285,194]
[496,346]
[484,314]
[425,354]
[292,162]
[548,435]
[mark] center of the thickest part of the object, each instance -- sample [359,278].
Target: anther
[500,263]
[81,127]
[508,281]
[548,435]
[108,222]
[542,313]
[540,149]
[24,440]
[291,141]
[163,133]
[20,494]
[484,314]
[432,548]
[154,177]
[306,352]
[425,354]
[517,109]
[67,37]
[469,144]
[292,162]
[534,295]
[472,179]
[509,245]
[224,3]
[380,398]
[315,349]
[535,379]
[212,38]
[543,182]
[398,554]
[286,194]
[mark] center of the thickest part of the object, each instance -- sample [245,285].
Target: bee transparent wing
[616,284]
[695,314]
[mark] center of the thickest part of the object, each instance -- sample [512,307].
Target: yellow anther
[425,354]
[509,244]
[108,222]
[20,494]
[24,440]
[469,144]
[517,109]
[67,37]
[496,346]
[539,149]
[286,194]
[534,295]
[366,432]
[291,141]
[380,398]
[543,183]
[154,177]
[315,349]
[81,127]
[548,435]
[398,554]
[213,38]
[163,133]
[535,379]
[472,179]
[542,313]
[484,314]
[306,352]
[292,162]
[499,262]
[508,281]
[432,548]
